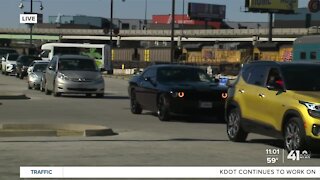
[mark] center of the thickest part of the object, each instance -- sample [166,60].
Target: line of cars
[64,74]
[276,99]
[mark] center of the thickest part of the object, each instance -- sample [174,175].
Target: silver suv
[73,74]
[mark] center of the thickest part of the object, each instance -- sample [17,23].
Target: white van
[98,52]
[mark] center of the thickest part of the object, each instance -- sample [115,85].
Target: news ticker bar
[171,172]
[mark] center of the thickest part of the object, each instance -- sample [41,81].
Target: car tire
[29,87]
[234,130]
[17,75]
[54,91]
[134,105]
[163,108]
[294,135]
[21,76]
[6,73]
[41,87]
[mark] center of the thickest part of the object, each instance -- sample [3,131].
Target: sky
[135,9]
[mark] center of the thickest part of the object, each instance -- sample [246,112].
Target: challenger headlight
[179,94]
[313,109]
[63,77]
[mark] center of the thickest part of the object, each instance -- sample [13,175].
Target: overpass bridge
[186,35]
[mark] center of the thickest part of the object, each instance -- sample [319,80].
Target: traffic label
[28,18]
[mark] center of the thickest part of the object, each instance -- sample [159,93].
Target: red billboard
[182,19]
[206,11]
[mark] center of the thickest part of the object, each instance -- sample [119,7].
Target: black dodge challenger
[176,89]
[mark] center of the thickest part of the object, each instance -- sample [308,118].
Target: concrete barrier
[9,95]
[14,130]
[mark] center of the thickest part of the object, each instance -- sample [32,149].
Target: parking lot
[140,140]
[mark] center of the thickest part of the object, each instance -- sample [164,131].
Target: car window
[77,65]
[45,54]
[40,67]
[13,57]
[257,75]
[180,74]
[53,63]
[150,73]
[274,77]
[5,51]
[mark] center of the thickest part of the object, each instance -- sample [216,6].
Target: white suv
[9,63]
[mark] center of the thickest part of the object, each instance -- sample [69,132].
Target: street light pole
[172,31]
[31,25]
[31,11]
[111,34]
[182,25]
[145,13]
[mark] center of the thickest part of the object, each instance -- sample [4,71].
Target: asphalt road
[141,140]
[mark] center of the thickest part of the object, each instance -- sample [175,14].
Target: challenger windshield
[179,74]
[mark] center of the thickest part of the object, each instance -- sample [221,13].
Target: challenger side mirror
[150,80]
[147,79]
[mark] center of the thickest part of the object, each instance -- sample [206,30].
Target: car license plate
[205,104]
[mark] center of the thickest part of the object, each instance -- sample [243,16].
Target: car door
[147,95]
[51,73]
[272,104]
[251,93]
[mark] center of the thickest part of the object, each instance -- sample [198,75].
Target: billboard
[183,19]
[275,6]
[206,12]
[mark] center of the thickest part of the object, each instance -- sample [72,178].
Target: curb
[17,130]
[13,96]
[127,78]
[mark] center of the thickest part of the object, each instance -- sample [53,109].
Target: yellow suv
[277,99]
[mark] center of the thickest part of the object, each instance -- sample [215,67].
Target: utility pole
[111,34]
[172,31]
[31,25]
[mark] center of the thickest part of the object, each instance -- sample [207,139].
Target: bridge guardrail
[191,33]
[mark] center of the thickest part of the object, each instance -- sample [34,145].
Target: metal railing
[294,32]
